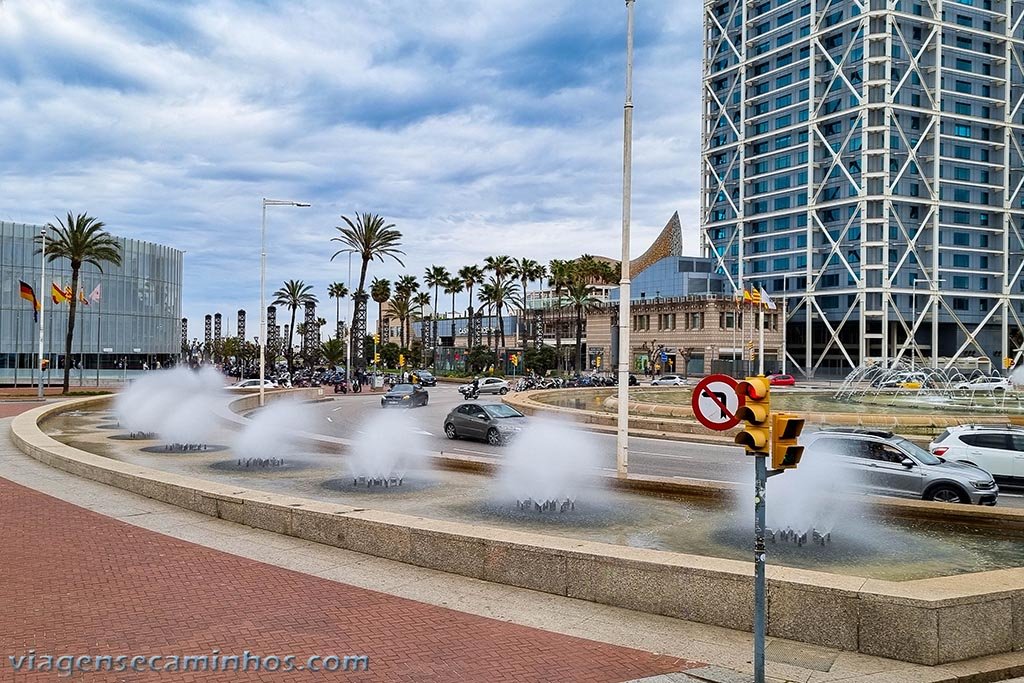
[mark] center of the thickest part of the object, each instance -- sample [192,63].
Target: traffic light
[401,360]
[756,411]
[376,339]
[786,430]
[514,359]
[597,361]
[46,364]
[376,359]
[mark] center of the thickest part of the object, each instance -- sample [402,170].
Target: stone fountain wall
[928,621]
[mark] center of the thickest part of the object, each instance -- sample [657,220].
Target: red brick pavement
[75,582]
[12,408]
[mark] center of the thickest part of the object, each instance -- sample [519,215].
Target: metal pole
[42,307]
[99,315]
[348,329]
[760,480]
[17,352]
[622,433]
[760,338]
[263,302]
[785,350]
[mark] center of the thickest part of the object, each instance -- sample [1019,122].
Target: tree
[498,293]
[333,352]
[503,268]
[82,239]
[404,289]
[471,276]
[436,277]
[294,294]
[453,287]
[337,291]
[540,360]
[559,274]
[380,291]
[400,307]
[389,354]
[419,304]
[527,270]
[580,296]
[478,358]
[373,239]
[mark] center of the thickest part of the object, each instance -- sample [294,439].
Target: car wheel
[425,401]
[945,493]
[493,437]
[449,431]
[503,391]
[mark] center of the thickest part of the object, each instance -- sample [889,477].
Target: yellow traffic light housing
[786,452]
[401,360]
[376,339]
[756,411]
[376,359]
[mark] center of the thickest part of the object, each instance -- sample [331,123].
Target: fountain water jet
[548,466]
[271,433]
[389,447]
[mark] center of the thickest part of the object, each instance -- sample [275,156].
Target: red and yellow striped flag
[57,293]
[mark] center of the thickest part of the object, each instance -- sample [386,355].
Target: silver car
[494,423]
[493,385]
[890,465]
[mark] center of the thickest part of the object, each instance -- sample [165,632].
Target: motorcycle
[469,392]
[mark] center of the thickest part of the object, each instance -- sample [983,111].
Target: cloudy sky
[476,127]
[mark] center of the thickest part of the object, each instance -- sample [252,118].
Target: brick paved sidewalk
[77,582]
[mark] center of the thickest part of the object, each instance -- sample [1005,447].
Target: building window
[666,321]
[961,282]
[696,321]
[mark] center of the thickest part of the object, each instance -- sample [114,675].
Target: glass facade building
[864,159]
[136,321]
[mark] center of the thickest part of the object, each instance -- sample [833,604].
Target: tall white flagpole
[42,307]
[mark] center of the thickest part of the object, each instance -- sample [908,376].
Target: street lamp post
[263,286]
[622,422]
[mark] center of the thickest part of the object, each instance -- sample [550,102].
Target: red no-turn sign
[715,402]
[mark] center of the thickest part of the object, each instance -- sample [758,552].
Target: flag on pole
[81,297]
[57,293]
[755,296]
[29,294]
[746,296]
[94,297]
[767,300]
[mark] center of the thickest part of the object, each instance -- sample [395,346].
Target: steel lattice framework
[358,340]
[864,160]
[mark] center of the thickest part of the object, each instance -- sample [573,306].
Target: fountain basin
[970,614]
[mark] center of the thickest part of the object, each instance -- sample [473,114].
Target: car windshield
[501,410]
[424,373]
[923,456]
[402,389]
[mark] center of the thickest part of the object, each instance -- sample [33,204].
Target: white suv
[998,450]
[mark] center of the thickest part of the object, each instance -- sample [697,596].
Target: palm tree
[580,296]
[371,238]
[527,270]
[559,273]
[503,268]
[333,352]
[337,291]
[436,277]
[294,294]
[498,294]
[453,287]
[401,308]
[419,302]
[380,291]
[82,239]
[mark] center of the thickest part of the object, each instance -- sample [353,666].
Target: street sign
[664,356]
[715,402]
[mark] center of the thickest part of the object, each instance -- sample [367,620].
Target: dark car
[424,378]
[494,423]
[406,395]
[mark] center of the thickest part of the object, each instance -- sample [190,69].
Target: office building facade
[864,161]
[136,321]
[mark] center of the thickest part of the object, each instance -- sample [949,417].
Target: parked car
[997,450]
[780,380]
[424,378]
[668,381]
[253,384]
[890,465]
[495,423]
[993,384]
[405,395]
[493,385]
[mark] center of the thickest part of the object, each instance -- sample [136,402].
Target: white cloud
[478,128]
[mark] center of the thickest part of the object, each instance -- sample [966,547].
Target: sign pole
[760,481]
[42,306]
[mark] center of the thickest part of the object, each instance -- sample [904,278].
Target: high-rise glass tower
[864,160]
